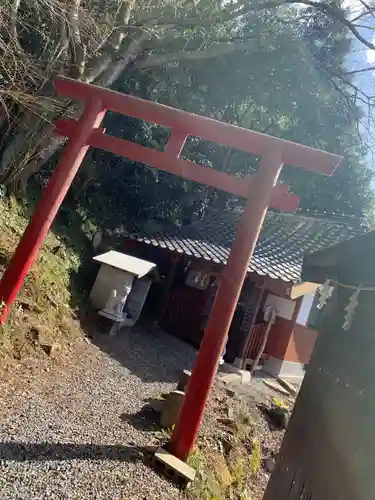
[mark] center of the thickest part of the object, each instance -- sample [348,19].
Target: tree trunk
[15,149]
[30,142]
[28,152]
[45,142]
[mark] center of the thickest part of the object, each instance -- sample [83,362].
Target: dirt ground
[236,428]
[73,425]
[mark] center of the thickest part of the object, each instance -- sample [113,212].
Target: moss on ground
[43,310]
[227,473]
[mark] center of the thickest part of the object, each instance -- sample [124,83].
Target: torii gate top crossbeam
[182,125]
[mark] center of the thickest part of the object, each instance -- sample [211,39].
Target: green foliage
[239,471]
[245,495]
[280,86]
[170,430]
[279,403]
[255,457]
[205,486]
[45,303]
[287,80]
[225,475]
[196,460]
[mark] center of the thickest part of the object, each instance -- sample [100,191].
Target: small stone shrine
[121,287]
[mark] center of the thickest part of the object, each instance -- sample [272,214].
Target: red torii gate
[260,190]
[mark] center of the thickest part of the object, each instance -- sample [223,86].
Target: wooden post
[253,319]
[53,195]
[186,430]
[170,278]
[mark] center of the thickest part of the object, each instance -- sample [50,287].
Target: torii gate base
[260,190]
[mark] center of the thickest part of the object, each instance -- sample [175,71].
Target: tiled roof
[284,240]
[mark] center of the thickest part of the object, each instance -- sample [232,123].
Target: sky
[361,57]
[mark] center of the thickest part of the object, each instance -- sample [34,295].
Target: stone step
[174,468]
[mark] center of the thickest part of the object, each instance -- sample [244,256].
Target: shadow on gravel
[147,419]
[147,352]
[20,452]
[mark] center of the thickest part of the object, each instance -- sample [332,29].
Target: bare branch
[216,50]
[360,16]
[242,8]
[63,42]
[352,98]
[114,70]
[362,70]
[97,66]
[366,27]
[124,17]
[74,20]
[164,42]
[196,21]
[14,20]
[347,82]
[102,64]
[78,50]
[369,10]
[337,14]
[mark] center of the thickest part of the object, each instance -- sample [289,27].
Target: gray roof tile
[284,240]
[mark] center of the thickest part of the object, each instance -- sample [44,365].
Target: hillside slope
[43,314]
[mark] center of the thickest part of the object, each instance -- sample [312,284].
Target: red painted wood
[162,161]
[283,200]
[255,341]
[175,143]
[281,332]
[54,193]
[301,344]
[169,162]
[186,430]
[212,130]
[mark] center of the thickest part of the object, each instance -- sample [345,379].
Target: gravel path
[70,427]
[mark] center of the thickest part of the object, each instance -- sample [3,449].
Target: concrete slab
[171,409]
[174,467]
[237,377]
[183,380]
[276,387]
[287,385]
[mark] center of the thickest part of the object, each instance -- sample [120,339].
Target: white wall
[284,307]
[303,314]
